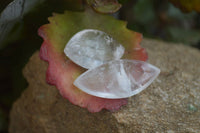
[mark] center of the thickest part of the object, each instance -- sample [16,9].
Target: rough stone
[170,104]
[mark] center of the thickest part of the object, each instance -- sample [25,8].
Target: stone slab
[170,104]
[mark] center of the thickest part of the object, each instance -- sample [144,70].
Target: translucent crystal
[90,48]
[117,79]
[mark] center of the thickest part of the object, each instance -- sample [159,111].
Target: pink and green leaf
[62,72]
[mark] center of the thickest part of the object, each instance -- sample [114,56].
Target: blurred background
[20,20]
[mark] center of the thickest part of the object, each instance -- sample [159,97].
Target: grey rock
[170,104]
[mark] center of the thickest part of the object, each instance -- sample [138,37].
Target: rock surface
[170,104]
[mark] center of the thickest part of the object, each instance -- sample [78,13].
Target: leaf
[12,14]
[62,72]
[104,6]
[187,5]
[183,35]
[16,10]
[143,12]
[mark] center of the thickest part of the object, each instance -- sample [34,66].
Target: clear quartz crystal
[117,79]
[90,48]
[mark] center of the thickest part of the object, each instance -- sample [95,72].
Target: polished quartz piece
[117,79]
[90,48]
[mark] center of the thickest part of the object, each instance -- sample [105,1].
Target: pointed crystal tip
[117,79]
[90,48]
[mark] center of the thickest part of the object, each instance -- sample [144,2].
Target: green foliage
[144,12]
[183,35]
[187,5]
[162,20]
